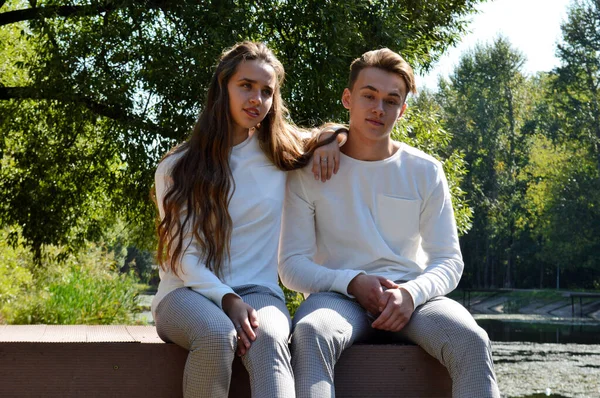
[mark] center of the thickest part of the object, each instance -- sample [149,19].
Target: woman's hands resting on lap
[245,320]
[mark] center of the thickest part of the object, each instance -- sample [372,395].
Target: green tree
[486,106]
[92,92]
[578,77]
[569,115]
[59,162]
[545,169]
[566,198]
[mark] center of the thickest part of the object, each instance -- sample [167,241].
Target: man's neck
[369,150]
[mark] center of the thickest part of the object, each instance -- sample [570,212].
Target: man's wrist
[352,284]
[407,296]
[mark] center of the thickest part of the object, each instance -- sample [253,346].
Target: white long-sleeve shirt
[391,218]
[255,210]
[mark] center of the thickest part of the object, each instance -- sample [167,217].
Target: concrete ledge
[131,361]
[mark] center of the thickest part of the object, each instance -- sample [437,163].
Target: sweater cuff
[415,292]
[343,279]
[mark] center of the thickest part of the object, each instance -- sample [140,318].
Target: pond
[536,331]
[538,356]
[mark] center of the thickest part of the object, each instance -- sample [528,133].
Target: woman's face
[250,91]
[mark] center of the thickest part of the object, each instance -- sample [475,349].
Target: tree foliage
[486,105]
[568,227]
[531,144]
[578,77]
[92,92]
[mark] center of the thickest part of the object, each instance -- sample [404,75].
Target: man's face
[375,103]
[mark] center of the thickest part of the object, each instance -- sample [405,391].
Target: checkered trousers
[195,323]
[328,323]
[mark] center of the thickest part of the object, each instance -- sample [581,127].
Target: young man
[377,247]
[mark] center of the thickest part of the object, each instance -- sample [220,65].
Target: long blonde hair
[202,177]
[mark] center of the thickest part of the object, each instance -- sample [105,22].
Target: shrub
[292,299]
[80,288]
[15,278]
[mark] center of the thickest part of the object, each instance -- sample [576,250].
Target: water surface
[536,330]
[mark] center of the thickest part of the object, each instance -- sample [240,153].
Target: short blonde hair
[387,60]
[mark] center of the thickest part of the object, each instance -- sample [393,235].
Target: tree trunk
[507,275]
[36,248]
[480,265]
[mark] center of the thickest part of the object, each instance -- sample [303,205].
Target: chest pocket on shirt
[398,220]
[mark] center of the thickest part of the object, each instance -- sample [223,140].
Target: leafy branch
[110,111]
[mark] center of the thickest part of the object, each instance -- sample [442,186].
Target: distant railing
[581,296]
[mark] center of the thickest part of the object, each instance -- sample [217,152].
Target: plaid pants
[195,323]
[328,323]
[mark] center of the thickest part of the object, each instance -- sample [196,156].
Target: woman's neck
[239,135]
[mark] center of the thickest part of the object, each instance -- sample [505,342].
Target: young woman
[220,198]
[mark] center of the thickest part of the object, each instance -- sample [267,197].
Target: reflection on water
[537,332]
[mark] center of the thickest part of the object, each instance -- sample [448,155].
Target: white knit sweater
[255,210]
[391,218]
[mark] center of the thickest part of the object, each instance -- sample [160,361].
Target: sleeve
[193,272]
[298,246]
[439,241]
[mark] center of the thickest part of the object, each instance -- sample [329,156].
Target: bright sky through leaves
[531,26]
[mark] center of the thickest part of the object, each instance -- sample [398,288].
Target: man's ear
[402,110]
[346,98]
